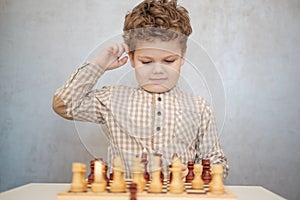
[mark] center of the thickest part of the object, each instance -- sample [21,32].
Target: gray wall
[254,44]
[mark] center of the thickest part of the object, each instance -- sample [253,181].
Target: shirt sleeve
[208,144]
[76,99]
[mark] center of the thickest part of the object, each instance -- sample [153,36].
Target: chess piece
[132,191]
[138,176]
[206,176]
[99,184]
[118,183]
[156,184]
[78,184]
[177,184]
[216,186]
[91,175]
[197,182]
[145,163]
[190,176]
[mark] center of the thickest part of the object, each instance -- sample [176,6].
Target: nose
[158,69]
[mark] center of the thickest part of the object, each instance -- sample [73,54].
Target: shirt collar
[173,91]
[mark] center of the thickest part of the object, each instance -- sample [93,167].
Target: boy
[157,116]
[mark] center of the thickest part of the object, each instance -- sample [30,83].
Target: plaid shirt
[167,123]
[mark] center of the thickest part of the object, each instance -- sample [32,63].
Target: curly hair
[153,19]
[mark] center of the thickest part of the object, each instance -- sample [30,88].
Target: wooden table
[48,191]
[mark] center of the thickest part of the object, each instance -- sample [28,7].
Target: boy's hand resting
[109,57]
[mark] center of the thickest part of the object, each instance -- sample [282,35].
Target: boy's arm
[208,144]
[76,100]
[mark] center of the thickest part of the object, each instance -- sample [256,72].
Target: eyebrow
[148,57]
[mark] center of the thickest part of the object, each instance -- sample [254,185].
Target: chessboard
[188,193]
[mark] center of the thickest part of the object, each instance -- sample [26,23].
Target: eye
[145,62]
[169,61]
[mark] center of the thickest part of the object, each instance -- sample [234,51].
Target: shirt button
[159,113]
[157,128]
[159,98]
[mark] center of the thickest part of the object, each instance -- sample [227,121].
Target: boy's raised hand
[109,57]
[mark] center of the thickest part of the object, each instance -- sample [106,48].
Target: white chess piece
[99,184]
[216,185]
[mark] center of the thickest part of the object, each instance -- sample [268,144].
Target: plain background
[254,44]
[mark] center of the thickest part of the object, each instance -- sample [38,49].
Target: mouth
[158,79]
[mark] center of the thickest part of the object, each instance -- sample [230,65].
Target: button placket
[158,119]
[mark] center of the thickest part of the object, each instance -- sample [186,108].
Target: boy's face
[157,64]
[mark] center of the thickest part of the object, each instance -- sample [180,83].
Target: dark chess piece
[206,176]
[132,191]
[145,162]
[190,176]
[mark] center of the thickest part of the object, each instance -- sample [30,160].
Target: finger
[126,48]
[121,49]
[115,50]
[111,49]
[119,63]
[123,60]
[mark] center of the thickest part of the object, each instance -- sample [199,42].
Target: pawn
[216,186]
[197,182]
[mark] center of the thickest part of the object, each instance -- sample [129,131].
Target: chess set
[202,182]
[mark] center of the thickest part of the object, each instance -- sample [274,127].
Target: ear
[131,58]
